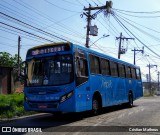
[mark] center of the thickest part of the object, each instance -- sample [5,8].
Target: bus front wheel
[95,106]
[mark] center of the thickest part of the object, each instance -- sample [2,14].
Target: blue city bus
[64,77]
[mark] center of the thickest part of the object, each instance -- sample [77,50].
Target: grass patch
[12,105]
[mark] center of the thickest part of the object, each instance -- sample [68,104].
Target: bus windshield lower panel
[56,70]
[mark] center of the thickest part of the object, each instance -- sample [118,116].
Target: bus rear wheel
[95,106]
[130,100]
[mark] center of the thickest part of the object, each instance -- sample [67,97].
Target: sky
[138,19]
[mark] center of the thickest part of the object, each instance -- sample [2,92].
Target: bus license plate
[42,106]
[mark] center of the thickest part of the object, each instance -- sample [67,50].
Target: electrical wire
[24,35]
[139,24]
[139,12]
[19,13]
[141,17]
[71,3]
[60,7]
[25,31]
[136,36]
[27,6]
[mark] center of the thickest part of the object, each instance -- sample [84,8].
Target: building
[6,80]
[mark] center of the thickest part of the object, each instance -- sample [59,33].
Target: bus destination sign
[49,49]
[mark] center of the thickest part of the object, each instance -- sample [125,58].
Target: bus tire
[95,106]
[57,114]
[130,100]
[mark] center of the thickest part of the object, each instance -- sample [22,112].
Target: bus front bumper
[50,106]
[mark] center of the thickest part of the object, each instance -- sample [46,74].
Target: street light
[99,39]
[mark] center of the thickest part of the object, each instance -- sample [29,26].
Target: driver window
[81,67]
[81,71]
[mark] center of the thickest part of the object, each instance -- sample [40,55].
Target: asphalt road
[113,120]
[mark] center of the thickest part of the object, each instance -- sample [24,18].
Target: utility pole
[107,7]
[18,61]
[136,50]
[149,77]
[158,83]
[120,40]
[89,17]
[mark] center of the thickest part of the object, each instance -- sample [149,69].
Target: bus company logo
[6,129]
[107,84]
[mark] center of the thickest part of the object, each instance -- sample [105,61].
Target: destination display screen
[48,49]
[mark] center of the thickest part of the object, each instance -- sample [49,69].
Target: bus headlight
[66,96]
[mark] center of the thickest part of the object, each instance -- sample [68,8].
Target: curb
[22,117]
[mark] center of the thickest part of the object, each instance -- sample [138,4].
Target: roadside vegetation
[12,106]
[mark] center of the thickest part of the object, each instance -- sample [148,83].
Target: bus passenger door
[82,84]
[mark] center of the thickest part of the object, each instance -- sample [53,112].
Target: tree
[7,60]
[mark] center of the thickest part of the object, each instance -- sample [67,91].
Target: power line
[60,7]
[80,3]
[136,36]
[115,30]
[139,24]
[139,16]
[32,26]
[44,16]
[44,23]
[26,32]
[25,36]
[152,36]
[71,3]
[139,12]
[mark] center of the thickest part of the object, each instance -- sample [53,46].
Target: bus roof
[87,50]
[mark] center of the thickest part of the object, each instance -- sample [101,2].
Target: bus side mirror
[22,71]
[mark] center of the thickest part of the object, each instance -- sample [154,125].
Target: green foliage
[12,105]
[7,60]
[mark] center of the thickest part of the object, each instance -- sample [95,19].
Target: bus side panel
[137,88]
[113,90]
[100,84]
[128,86]
[121,91]
[83,97]
[106,90]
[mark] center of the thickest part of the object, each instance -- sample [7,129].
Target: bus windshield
[56,70]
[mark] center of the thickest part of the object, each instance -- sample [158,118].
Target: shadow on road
[46,121]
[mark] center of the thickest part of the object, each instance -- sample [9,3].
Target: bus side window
[94,64]
[105,67]
[138,76]
[128,72]
[114,69]
[121,70]
[133,73]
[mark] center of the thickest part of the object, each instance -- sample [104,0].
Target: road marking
[130,113]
